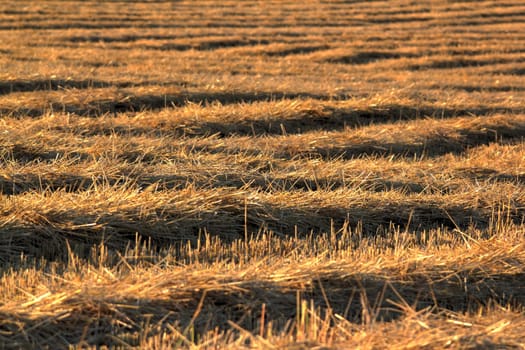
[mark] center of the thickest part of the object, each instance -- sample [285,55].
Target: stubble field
[264,174]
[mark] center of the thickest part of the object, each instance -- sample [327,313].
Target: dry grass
[323,174]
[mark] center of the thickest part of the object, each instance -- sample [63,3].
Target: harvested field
[262,174]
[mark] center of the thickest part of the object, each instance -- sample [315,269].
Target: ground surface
[270,174]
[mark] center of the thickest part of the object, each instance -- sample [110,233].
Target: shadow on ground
[10,86]
[435,145]
[228,217]
[359,298]
[463,62]
[328,119]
